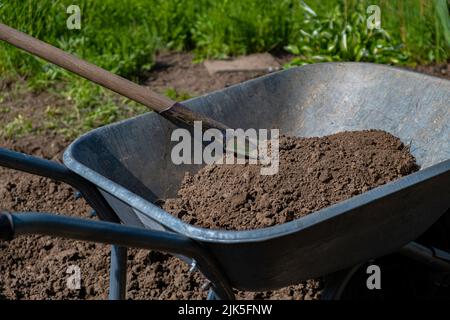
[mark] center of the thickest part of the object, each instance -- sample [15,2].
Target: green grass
[122,36]
[114,35]
[177,95]
[18,127]
[415,24]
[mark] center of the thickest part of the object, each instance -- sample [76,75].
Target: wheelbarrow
[123,169]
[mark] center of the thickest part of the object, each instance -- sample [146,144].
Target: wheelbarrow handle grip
[159,103]
[35,165]
[26,223]
[6,226]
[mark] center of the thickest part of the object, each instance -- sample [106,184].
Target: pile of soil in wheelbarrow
[313,174]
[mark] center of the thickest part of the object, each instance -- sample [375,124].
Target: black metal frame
[59,172]
[56,171]
[80,229]
[110,231]
[438,260]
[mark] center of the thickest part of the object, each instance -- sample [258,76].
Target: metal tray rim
[256,235]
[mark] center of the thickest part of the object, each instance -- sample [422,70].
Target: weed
[5,110]
[18,127]
[341,36]
[176,95]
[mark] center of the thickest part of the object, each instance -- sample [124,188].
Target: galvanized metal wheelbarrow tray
[130,166]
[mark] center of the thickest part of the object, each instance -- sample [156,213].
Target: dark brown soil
[313,173]
[34,267]
[439,70]
[176,70]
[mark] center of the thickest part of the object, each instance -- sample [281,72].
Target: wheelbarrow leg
[433,257]
[212,295]
[118,273]
[335,283]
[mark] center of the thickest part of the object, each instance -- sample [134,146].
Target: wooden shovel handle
[131,90]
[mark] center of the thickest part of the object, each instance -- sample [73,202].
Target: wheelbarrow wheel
[401,277]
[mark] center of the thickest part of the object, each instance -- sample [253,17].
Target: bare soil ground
[35,267]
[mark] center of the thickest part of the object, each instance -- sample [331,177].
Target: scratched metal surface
[412,106]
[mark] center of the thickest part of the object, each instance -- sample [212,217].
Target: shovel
[166,107]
